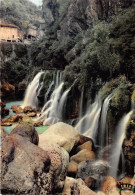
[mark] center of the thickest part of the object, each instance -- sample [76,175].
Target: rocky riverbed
[58,161]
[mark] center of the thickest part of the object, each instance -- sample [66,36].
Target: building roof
[3,24]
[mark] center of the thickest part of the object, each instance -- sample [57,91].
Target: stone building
[9,33]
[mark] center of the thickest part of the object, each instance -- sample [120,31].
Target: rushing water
[104,118]
[31,92]
[117,146]
[88,124]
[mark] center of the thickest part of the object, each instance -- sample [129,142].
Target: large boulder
[25,167]
[28,169]
[60,133]
[59,164]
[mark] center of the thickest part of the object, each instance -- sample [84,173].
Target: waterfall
[88,124]
[116,151]
[63,102]
[81,104]
[49,90]
[31,92]
[51,112]
[104,117]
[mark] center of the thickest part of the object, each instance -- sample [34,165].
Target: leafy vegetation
[20,13]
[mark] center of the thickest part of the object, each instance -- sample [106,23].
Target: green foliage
[122,42]
[20,13]
[6,49]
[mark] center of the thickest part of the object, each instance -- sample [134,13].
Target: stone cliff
[73,16]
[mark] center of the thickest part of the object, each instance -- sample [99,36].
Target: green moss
[131,125]
[121,99]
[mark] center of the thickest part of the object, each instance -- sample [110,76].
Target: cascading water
[88,124]
[63,102]
[31,92]
[50,113]
[81,104]
[104,117]
[48,91]
[117,146]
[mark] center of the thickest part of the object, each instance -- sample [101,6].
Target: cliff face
[77,15]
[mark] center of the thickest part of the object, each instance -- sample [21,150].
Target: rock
[13,119]
[59,164]
[105,153]
[27,131]
[129,146]
[110,186]
[32,114]
[7,89]
[84,139]
[29,109]
[3,133]
[87,145]
[3,111]
[38,123]
[80,14]
[84,155]
[60,133]
[91,171]
[25,167]
[90,183]
[72,168]
[76,187]
[28,169]
[3,123]
[127,180]
[17,109]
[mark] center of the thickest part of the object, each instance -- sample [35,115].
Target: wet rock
[38,123]
[93,171]
[84,155]
[29,109]
[87,145]
[13,119]
[27,131]
[59,164]
[7,89]
[110,186]
[3,111]
[105,153]
[60,133]
[3,123]
[72,168]
[17,109]
[76,187]
[32,114]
